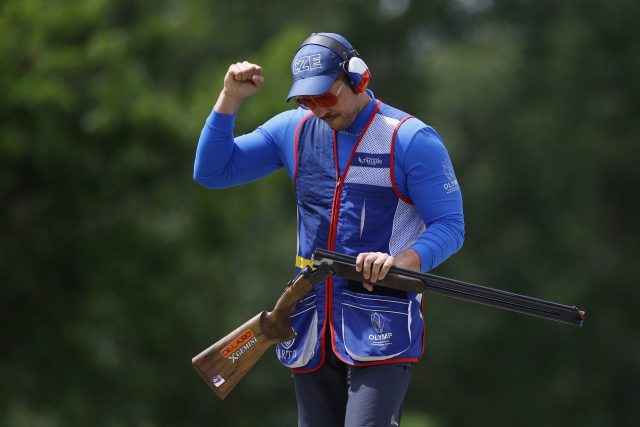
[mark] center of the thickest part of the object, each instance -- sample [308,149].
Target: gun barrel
[469,291]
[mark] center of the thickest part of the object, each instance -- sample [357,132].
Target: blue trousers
[339,395]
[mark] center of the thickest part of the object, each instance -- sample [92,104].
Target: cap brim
[311,86]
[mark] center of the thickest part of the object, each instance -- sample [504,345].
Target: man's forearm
[227,104]
[223,160]
[408,259]
[441,240]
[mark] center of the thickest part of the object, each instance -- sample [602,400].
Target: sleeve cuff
[220,120]
[426,256]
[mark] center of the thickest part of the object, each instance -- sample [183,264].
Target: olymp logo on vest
[380,337]
[377,322]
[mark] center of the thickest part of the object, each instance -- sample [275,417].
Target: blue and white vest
[360,211]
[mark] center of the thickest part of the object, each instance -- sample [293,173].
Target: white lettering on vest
[286,354]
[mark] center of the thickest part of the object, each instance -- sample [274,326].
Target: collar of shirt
[363,117]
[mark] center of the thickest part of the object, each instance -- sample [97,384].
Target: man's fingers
[380,265]
[386,266]
[374,265]
[258,80]
[244,71]
[367,262]
[360,260]
[243,79]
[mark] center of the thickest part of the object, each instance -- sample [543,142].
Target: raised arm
[222,160]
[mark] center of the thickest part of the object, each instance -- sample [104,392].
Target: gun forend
[344,266]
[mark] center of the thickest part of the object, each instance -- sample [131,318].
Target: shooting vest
[360,211]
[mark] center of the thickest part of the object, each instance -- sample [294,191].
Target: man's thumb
[258,80]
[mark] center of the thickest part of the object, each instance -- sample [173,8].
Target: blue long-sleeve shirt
[422,169]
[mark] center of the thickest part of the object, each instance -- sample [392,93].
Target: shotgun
[343,266]
[226,362]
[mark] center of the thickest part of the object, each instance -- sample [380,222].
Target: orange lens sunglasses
[327,100]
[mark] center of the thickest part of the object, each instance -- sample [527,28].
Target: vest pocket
[299,350]
[375,327]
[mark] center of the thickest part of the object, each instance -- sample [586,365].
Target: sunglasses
[327,100]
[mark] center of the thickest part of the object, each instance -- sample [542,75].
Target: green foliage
[116,268]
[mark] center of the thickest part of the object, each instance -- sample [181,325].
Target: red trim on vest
[332,232]
[391,161]
[296,137]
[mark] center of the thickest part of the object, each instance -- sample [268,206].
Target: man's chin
[335,123]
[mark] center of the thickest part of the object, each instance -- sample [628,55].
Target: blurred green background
[116,268]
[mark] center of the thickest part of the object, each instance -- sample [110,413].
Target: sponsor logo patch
[217,380]
[286,354]
[372,160]
[288,344]
[239,345]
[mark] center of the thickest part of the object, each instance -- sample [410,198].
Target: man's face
[344,112]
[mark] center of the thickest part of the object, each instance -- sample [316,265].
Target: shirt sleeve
[224,161]
[432,186]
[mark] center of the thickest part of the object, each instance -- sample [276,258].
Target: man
[370,181]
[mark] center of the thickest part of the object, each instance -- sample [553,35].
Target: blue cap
[315,67]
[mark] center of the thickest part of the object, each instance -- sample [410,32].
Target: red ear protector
[357,72]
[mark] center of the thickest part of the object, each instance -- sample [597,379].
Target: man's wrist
[408,259]
[227,104]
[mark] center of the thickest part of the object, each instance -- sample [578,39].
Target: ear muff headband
[333,44]
[357,72]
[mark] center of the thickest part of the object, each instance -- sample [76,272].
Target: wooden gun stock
[226,362]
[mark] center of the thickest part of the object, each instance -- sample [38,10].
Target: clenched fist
[243,79]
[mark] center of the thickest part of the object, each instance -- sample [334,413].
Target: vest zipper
[334,215]
[333,223]
[333,228]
